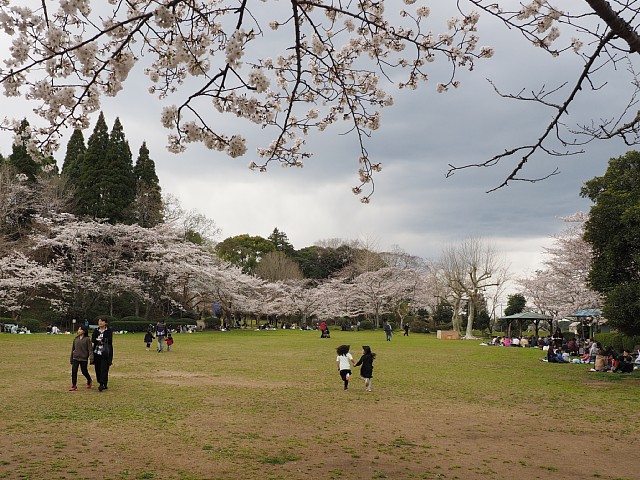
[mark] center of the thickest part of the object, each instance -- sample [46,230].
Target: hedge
[617,341]
[142,326]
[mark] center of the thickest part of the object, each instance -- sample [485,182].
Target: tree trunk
[470,319]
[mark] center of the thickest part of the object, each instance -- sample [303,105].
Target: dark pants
[102,369]
[343,375]
[74,372]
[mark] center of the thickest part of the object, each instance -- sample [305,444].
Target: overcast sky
[414,207]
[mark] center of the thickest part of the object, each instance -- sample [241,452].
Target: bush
[213,322]
[419,326]
[129,326]
[133,318]
[444,326]
[618,341]
[33,325]
[366,325]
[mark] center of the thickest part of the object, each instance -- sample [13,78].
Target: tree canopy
[613,230]
[335,62]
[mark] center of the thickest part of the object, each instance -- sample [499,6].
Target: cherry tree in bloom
[384,290]
[561,288]
[303,298]
[23,280]
[333,62]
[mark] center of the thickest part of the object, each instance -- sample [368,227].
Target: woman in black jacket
[102,339]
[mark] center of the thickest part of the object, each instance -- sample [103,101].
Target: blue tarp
[593,312]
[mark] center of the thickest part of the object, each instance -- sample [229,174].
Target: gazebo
[535,316]
[590,317]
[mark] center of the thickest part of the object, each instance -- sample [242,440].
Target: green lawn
[270,405]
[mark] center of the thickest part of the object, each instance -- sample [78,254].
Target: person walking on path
[387,330]
[366,366]
[344,361]
[148,339]
[102,339]
[81,355]
[161,332]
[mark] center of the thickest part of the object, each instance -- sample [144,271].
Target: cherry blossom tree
[334,62]
[561,288]
[205,57]
[22,280]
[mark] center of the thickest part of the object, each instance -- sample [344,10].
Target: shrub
[419,326]
[133,318]
[618,341]
[213,322]
[33,325]
[444,326]
[130,326]
[366,325]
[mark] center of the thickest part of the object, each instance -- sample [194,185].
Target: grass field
[270,405]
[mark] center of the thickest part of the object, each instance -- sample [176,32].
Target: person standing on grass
[169,342]
[366,366]
[102,340]
[387,330]
[161,332]
[344,361]
[81,354]
[148,339]
[406,329]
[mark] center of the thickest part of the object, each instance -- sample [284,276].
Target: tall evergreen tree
[148,201]
[20,157]
[75,148]
[88,195]
[117,182]
[281,242]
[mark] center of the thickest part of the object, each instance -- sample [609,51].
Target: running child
[344,361]
[366,366]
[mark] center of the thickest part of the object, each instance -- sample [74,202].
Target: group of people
[344,362]
[603,359]
[162,334]
[97,351]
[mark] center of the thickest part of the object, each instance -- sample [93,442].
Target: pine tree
[148,202]
[75,148]
[88,195]
[116,179]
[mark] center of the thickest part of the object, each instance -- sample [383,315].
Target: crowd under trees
[99,238]
[338,64]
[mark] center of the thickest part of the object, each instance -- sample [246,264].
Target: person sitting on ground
[524,342]
[572,346]
[506,341]
[612,358]
[624,363]
[515,342]
[585,357]
[601,363]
